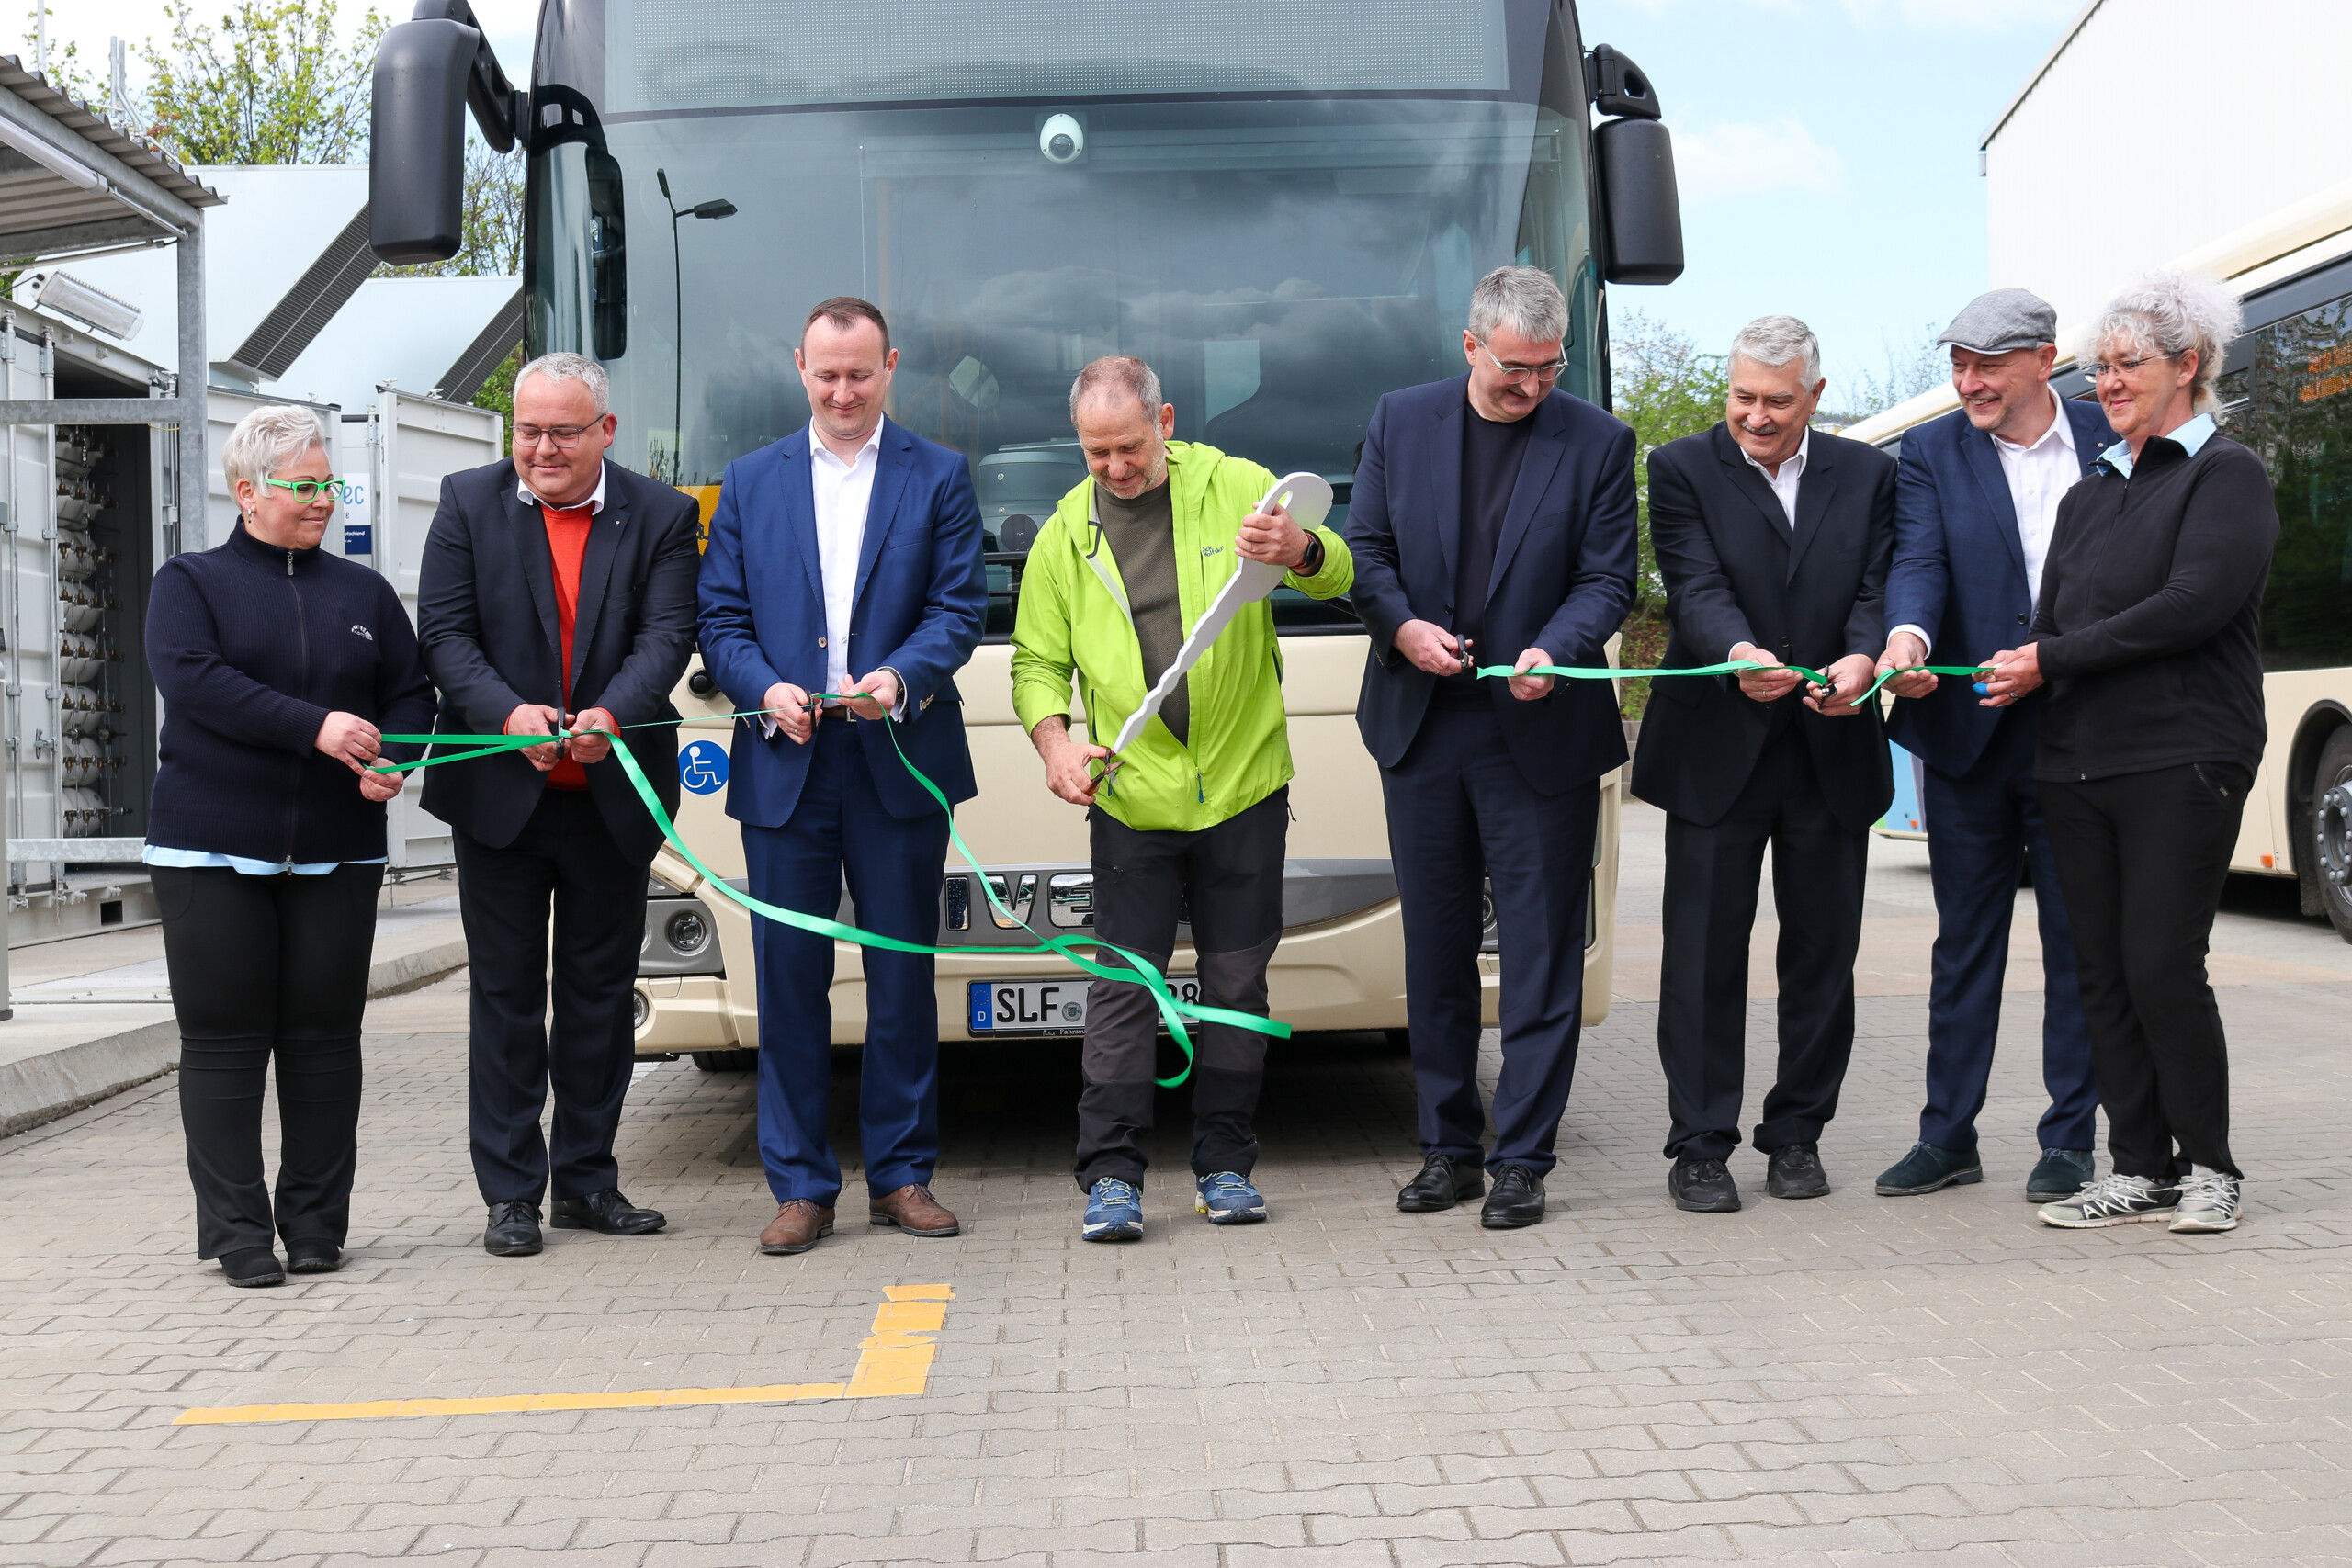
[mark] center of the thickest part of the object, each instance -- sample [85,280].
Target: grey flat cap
[2001,321]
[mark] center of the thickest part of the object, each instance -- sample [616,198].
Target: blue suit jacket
[1960,573]
[1563,577]
[922,595]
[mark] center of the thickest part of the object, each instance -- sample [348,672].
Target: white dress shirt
[530,497]
[843,491]
[1784,483]
[2039,474]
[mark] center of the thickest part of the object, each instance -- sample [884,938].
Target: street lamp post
[720,208]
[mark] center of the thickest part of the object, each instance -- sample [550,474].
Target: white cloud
[1930,16]
[1755,159]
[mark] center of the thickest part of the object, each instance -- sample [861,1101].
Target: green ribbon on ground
[1173,1010]
[1815,677]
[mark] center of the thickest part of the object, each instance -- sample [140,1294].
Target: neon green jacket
[1074,618]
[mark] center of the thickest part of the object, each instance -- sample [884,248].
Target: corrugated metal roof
[97,130]
[486,352]
[323,290]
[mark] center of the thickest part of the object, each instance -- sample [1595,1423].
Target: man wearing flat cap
[1976,499]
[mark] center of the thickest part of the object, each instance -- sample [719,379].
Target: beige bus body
[1341,973]
[2304,707]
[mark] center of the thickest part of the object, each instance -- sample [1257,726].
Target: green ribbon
[1815,677]
[1173,1010]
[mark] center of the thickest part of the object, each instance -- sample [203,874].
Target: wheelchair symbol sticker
[702,767]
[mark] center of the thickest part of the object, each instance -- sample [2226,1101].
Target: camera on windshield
[1061,138]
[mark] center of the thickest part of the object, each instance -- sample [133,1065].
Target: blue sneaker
[1114,1212]
[1228,1199]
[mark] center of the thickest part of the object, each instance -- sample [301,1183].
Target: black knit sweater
[252,647]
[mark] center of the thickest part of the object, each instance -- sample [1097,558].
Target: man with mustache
[1774,541]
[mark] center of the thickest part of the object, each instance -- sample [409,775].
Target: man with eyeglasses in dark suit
[556,593]
[1492,523]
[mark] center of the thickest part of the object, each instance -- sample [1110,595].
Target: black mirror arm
[502,111]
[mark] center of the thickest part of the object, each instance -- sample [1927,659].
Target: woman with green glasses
[280,667]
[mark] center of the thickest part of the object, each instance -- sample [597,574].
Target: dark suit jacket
[1563,577]
[1737,573]
[922,598]
[1959,573]
[486,618]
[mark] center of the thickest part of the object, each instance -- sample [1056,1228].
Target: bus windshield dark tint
[2293,403]
[1281,266]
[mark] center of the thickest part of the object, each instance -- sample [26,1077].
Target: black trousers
[265,967]
[1712,879]
[1228,881]
[1459,811]
[2143,859]
[564,857]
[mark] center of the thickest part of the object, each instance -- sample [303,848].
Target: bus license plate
[1044,1006]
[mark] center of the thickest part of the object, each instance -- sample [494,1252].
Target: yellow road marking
[893,1362]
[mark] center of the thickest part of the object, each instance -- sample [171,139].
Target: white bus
[1282,207]
[2286,391]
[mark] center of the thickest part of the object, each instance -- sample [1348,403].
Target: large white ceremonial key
[1307,499]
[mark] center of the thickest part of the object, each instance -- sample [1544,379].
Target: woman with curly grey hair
[280,667]
[2146,630]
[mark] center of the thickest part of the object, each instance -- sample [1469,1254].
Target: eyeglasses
[1514,374]
[564,436]
[2123,367]
[307,491]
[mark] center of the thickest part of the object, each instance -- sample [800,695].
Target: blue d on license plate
[1042,1007]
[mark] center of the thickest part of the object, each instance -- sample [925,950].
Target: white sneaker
[2112,1200]
[2209,1202]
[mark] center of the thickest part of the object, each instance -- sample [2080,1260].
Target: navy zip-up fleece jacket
[252,647]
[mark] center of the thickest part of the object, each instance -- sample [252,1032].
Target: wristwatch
[1312,561]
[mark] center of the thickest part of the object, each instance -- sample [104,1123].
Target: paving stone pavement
[1845,1381]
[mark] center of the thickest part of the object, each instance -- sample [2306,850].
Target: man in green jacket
[1192,816]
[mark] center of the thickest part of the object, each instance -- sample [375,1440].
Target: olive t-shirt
[1142,532]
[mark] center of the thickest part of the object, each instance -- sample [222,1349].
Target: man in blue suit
[1492,523]
[842,590]
[1976,499]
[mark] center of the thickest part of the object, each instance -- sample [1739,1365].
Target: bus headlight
[681,938]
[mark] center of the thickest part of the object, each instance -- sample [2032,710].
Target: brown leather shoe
[799,1226]
[914,1210]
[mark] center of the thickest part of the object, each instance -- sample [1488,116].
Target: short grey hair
[2169,313]
[565,365]
[269,439]
[1777,341]
[1118,374]
[1527,299]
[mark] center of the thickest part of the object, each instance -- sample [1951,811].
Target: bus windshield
[1279,260]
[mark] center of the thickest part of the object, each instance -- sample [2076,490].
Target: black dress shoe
[254,1266]
[1702,1187]
[513,1229]
[607,1212]
[1517,1200]
[1796,1172]
[1442,1184]
[312,1257]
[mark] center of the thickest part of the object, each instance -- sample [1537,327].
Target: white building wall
[2158,127]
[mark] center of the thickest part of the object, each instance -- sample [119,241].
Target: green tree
[272,83]
[1665,388]
[1912,369]
[498,393]
[65,71]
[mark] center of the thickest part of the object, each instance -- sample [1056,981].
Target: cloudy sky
[1827,149]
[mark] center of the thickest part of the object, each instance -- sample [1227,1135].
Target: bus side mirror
[1640,212]
[416,154]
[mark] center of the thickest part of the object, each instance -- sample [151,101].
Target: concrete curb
[58,1081]
[47,1081]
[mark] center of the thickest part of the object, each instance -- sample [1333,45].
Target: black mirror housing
[416,158]
[1641,210]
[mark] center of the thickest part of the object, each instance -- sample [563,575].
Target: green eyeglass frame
[307,490]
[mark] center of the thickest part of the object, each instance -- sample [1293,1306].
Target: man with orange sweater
[556,591]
